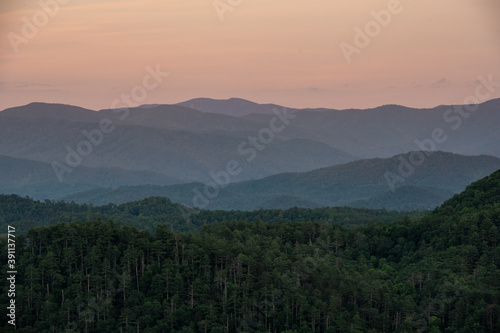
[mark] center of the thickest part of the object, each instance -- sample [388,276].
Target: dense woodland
[25,213]
[437,273]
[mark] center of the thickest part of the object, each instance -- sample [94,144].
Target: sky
[296,53]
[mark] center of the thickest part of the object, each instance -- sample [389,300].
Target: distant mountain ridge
[178,142]
[236,107]
[52,110]
[182,144]
[359,184]
[377,132]
[37,179]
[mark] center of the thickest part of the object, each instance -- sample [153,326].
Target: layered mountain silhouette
[181,143]
[55,150]
[361,184]
[36,179]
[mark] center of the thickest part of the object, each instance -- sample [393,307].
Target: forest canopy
[437,273]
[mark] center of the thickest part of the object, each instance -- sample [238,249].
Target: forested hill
[439,273]
[482,193]
[364,183]
[26,213]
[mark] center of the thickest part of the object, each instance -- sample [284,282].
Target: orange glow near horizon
[285,52]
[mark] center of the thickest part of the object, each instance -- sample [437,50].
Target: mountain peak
[51,110]
[233,106]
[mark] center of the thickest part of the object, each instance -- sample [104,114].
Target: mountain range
[362,184]
[56,151]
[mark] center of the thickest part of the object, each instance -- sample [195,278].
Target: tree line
[438,273]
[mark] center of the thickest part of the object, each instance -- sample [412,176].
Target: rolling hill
[37,179]
[153,140]
[232,107]
[168,144]
[436,273]
[359,184]
[383,131]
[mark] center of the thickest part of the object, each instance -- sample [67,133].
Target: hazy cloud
[317,89]
[441,83]
[28,86]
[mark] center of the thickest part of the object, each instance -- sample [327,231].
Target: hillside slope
[39,180]
[360,183]
[438,273]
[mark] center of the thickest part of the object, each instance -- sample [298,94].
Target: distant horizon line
[248,101]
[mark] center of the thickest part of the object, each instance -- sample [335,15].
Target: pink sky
[282,51]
